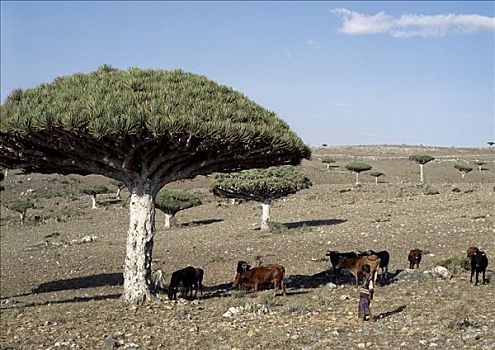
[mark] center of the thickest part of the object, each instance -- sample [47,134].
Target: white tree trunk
[170,221]
[265,206]
[93,200]
[462,175]
[137,269]
[421,178]
[118,193]
[357,178]
[478,168]
[376,180]
[23,216]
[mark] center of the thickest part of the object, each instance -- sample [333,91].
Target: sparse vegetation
[428,190]
[276,227]
[456,263]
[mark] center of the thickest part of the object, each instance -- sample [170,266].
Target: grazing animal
[479,263]
[384,260]
[199,280]
[190,278]
[260,275]
[472,251]
[355,265]
[415,258]
[334,260]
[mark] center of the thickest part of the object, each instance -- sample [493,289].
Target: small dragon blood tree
[261,185]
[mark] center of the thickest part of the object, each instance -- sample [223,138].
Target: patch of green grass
[429,191]
[277,227]
[456,263]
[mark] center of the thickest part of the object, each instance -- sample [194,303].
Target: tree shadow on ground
[65,301]
[201,222]
[109,202]
[104,279]
[324,222]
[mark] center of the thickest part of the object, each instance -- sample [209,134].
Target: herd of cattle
[191,278]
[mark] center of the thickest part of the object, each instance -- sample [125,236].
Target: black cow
[190,278]
[479,263]
[243,266]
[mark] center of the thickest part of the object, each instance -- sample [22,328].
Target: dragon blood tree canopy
[154,124]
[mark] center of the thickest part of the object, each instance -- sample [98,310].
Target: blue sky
[339,73]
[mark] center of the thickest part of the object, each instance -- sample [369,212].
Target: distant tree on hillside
[421,159]
[327,160]
[490,143]
[120,185]
[463,168]
[376,175]
[358,167]
[171,201]
[21,206]
[93,191]
[480,164]
[261,185]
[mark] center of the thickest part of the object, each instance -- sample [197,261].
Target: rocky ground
[61,272]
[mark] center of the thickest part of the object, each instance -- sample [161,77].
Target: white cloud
[410,25]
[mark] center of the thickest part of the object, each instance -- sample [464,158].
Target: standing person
[366,295]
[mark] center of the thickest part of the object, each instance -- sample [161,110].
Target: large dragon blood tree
[145,128]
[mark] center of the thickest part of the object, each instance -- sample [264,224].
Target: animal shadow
[309,281]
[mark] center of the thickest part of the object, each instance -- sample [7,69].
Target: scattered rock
[440,271]
[331,285]
[110,343]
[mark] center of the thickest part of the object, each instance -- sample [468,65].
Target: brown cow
[355,265]
[415,258]
[260,275]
